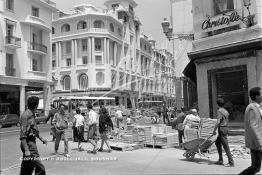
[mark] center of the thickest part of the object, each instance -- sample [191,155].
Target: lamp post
[169,33]
[247,4]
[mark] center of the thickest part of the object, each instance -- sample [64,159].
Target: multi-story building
[25,52]
[102,52]
[227,55]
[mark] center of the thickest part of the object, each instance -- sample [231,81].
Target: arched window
[83,81]
[100,78]
[99,24]
[112,29]
[81,25]
[65,28]
[67,82]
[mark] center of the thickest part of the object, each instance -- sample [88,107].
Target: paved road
[143,161]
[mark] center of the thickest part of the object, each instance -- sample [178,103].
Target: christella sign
[226,19]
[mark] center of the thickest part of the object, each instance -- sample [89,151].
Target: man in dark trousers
[222,125]
[51,115]
[179,123]
[253,131]
[165,116]
[28,133]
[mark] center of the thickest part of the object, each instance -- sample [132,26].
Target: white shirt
[128,120]
[79,120]
[189,118]
[119,114]
[93,117]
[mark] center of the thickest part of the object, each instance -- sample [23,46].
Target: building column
[56,54]
[89,50]
[115,54]
[76,48]
[73,52]
[22,99]
[59,54]
[107,51]
[47,98]
[93,50]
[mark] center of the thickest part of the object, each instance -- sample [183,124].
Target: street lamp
[247,3]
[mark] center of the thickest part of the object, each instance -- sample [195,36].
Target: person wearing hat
[105,125]
[222,126]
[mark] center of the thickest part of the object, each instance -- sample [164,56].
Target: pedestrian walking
[28,134]
[79,124]
[61,124]
[253,131]
[119,117]
[105,126]
[92,127]
[222,126]
[165,115]
[179,123]
[51,115]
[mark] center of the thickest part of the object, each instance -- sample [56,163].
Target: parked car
[9,120]
[40,116]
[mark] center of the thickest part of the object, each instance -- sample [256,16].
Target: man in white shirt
[79,121]
[191,121]
[119,117]
[92,131]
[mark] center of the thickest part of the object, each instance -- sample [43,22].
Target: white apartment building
[102,52]
[227,54]
[25,52]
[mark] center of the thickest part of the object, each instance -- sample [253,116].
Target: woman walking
[105,125]
[78,122]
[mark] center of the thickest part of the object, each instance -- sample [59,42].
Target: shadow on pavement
[200,161]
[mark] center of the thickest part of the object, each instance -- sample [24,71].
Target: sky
[150,12]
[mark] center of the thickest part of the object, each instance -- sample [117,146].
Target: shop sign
[225,19]
[35,84]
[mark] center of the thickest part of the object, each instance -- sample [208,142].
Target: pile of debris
[240,152]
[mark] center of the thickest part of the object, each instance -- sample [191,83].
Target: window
[68,62]
[84,60]
[34,65]
[53,63]
[98,24]
[67,83]
[35,11]
[10,4]
[53,30]
[65,28]
[9,29]
[84,45]
[98,44]
[223,6]
[83,81]
[119,32]
[99,59]
[81,25]
[100,78]
[112,29]
[53,48]
[68,47]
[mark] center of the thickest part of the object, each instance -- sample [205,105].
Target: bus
[73,102]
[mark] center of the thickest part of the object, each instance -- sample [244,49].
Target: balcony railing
[38,47]
[10,71]
[13,40]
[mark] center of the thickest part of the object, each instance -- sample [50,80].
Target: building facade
[25,52]
[227,55]
[102,52]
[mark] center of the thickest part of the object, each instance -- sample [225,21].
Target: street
[142,161]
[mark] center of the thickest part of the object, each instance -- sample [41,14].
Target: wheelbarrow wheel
[190,156]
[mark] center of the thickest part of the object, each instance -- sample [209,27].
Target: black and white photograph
[130,87]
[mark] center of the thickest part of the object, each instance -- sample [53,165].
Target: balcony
[13,42]
[38,48]
[37,22]
[10,71]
